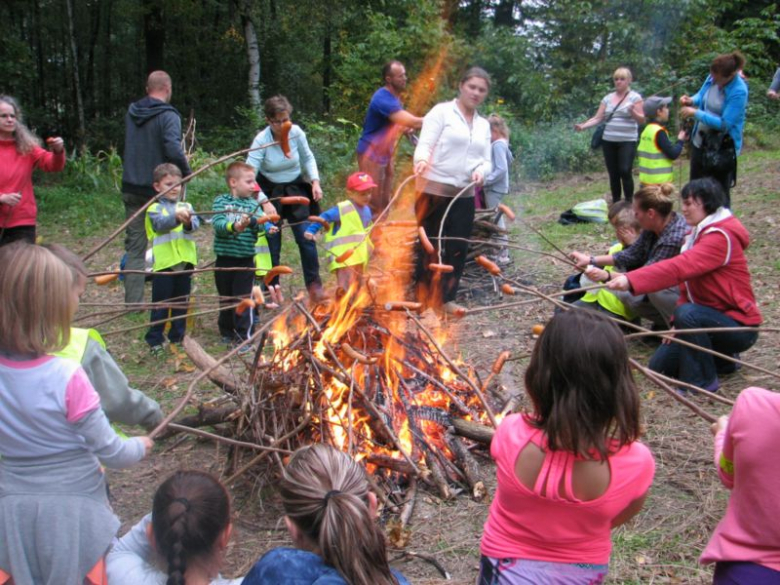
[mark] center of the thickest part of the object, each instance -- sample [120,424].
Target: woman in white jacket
[453,154]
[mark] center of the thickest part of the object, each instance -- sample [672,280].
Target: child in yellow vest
[656,154]
[169,226]
[346,239]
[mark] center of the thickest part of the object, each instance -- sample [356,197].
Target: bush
[552,147]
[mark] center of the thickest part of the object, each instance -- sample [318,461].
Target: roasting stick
[176,318]
[184,181]
[530,301]
[455,368]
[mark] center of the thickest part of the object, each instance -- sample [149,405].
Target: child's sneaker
[248,348]
[157,351]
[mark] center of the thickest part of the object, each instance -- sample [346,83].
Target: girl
[183,540]
[497,180]
[55,521]
[573,469]
[746,544]
[330,513]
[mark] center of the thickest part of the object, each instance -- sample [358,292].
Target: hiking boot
[248,348]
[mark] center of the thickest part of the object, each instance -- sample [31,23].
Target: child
[331,515]
[169,226]
[121,403]
[236,231]
[55,520]
[182,541]
[573,469]
[496,184]
[655,153]
[746,544]
[621,216]
[349,221]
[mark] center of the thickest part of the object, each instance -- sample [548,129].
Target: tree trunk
[154,35]
[252,53]
[326,68]
[82,129]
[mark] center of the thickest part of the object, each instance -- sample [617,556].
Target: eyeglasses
[278,122]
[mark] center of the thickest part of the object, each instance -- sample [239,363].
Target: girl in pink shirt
[573,469]
[55,520]
[746,544]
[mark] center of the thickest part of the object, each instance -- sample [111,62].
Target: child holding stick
[571,470]
[55,521]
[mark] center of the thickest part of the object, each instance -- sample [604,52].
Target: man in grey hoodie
[152,137]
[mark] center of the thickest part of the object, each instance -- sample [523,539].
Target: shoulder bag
[598,134]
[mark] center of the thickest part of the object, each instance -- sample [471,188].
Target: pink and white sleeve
[80,397]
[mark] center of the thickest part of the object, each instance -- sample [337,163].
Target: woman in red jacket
[20,153]
[715,289]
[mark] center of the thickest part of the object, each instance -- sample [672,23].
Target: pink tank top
[543,525]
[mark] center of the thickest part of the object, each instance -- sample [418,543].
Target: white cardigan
[453,149]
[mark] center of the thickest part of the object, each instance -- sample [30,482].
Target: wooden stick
[711,395]
[201,433]
[700,330]
[530,301]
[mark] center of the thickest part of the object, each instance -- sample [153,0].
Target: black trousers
[232,287]
[25,233]
[697,172]
[429,210]
[175,289]
[619,158]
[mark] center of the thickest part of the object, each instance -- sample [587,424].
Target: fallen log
[226,380]
[473,430]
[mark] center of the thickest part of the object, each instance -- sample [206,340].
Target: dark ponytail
[728,64]
[191,510]
[325,493]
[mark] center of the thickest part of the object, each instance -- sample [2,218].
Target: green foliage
[547,148]
[333,143]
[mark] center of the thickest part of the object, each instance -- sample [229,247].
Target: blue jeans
[176,290]
[693,366]
[308,249]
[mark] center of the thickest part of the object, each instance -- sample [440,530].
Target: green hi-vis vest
[78,344]
[606,298]
[594,211]
[654,167]
[351,236]
[262,254]
[173,247]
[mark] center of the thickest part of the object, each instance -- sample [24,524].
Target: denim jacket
[732,119]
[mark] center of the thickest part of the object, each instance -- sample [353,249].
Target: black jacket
[152,137]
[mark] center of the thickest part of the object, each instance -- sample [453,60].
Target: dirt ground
[661,545]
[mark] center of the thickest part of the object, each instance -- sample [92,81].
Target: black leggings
[619,158]
[726,180]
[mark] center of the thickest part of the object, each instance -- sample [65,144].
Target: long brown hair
[23,136]
[191,510]
[581,386]
[325,494]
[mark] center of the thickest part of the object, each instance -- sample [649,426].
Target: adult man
[152,137]
[385,119]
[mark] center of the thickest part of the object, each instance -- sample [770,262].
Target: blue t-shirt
[293,566]
[377,125]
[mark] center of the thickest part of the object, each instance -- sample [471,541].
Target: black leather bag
[598,136]
[719,154]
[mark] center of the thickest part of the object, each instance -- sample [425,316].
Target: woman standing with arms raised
[20,154]
[453,154]
[622,111]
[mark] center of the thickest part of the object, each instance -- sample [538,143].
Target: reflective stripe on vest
[170,248]
[351,236]
[78,344]
[654,166]
[606,298]
[263,261]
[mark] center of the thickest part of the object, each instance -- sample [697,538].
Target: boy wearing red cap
[346,237]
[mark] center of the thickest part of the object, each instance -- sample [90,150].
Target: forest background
[75,65]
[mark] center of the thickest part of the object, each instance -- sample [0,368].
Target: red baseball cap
[360,181]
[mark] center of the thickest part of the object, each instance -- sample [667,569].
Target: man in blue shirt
[385,120]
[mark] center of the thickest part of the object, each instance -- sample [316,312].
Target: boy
[236,231]
[169,226]
[627,230]
[120,402]
[656,153]
[349,221]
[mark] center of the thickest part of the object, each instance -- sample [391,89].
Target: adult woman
[331,515]
[279,175]
[453,153]
[662,235]
[622,110]
[718,107]
[714,284]
[20,154]
[182,541]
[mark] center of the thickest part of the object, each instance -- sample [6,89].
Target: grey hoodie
[152,137]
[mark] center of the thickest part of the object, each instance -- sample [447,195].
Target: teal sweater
[226,241]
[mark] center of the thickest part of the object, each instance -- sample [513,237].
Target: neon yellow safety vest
[262,254]
[351,236]
[606,298]
[78,344]
[654,167]
[173,247]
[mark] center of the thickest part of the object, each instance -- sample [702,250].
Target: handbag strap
[612,113]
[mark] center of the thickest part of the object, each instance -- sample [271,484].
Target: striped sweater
[226,241]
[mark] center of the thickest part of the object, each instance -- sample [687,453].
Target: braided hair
[191,510]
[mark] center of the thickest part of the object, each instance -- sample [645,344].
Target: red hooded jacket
[713,272]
